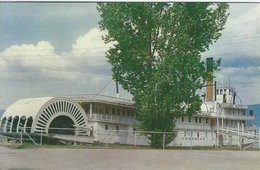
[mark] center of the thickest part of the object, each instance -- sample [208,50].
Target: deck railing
[112,118]
[194,126]
[226,116]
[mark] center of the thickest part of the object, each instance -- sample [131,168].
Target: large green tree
[156,56]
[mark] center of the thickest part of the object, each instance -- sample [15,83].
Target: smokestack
[209,83]
[234,98]
[117,91]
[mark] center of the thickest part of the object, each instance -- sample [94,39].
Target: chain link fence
[116,137]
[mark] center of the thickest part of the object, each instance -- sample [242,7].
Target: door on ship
[212,124]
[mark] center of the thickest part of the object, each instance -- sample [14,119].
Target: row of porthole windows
[183,138]
[195,119]
[197,134]
[225,91]
[117,128]
[237,112]
[16,124]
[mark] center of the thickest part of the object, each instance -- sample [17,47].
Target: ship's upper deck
[95,98]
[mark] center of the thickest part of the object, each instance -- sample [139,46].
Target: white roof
[26,107]
[101,98]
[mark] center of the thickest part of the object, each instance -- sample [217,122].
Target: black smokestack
[117,90]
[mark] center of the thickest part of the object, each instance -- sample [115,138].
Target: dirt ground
[126,159]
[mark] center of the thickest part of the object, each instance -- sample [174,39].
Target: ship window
[113,111]
[86,107]
[91,130]
[107,110]
[106,127]
[135,114]
[98,109]
[93,108]
[128,113]
[118,112]
[134,129]
[123,112]
[103,110]
[224,98]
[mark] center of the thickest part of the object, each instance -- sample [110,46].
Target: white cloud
[241,36]
[90,48]
[30,70]
[87,57]
[239,49]
[245,80]
[41,55]
[2,64]
[37,70]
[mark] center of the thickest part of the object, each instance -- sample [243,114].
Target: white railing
[193,126]
[112,118]
[243,133]
[204,113]
[234,117]
[226,116]
[231,105]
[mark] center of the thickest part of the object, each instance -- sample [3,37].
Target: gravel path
[124,159]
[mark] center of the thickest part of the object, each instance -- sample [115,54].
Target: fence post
[106,143]
[75,136]
[21,136]
[259,137]
[190,141]
[41,137]
[163,140]
[238,136]
[135,138]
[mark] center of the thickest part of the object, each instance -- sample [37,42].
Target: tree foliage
[156,56]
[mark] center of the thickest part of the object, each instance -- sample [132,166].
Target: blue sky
[56,49]
[58,23]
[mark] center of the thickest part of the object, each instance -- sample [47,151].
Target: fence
[105,138]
